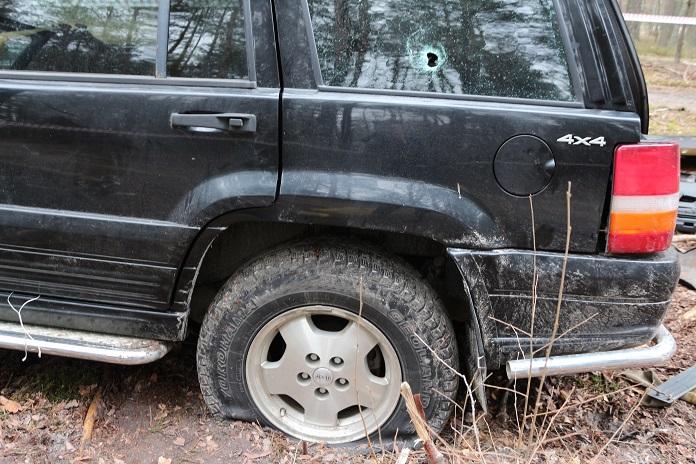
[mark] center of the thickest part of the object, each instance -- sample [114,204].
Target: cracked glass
[505,48]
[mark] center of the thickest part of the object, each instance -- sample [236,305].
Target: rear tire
[313,288]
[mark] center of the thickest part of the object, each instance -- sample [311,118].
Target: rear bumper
[609,303]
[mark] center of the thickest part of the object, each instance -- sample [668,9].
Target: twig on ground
[403,456]
[557,317]
[470,393]
[90,418]
[355,376]
[623,424]
[542,439]
[535,282]
[418,419]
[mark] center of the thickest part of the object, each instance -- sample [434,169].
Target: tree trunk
[682,34]
[633,6]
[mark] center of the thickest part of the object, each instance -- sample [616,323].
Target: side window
[109,36]
[503,48]
[207,39]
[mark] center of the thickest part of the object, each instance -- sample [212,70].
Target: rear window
[506,48]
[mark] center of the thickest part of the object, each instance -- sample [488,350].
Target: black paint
[107,211]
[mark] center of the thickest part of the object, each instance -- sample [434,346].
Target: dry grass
[666,73]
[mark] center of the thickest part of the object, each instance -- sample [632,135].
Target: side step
[644,356]
[81,345]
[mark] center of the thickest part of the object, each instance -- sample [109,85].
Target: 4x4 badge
[571,139]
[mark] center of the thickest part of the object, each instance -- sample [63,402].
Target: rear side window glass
[503,48]
[207,39]
[85,36]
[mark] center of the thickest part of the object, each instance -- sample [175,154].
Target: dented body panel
[607,303]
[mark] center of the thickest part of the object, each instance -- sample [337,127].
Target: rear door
[125,126]
[441,118]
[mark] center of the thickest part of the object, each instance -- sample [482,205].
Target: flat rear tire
[316,337]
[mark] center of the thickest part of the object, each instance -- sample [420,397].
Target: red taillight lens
[645,198]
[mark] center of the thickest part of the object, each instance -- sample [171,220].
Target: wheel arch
[232,240]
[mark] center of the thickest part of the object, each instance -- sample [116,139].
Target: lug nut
[313,357]
[337,361]
[303,376]
[342,382]
[321,392]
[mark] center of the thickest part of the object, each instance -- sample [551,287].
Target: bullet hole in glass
[510,48]
[432,59]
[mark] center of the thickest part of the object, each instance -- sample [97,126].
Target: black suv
[344,195]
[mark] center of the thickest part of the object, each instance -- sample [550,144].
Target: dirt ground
[672,95]
[154,413]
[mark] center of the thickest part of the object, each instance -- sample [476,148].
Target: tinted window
[105,36]
[508,48]
[206,39]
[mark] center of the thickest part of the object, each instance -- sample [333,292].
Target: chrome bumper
[81,345]
[643,356]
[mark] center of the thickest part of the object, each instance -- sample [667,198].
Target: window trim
[160,63]
[163,8]
[571,57]
[452,96]
[313,52]
[573,74]
[124,79]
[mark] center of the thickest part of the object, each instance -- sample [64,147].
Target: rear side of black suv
[346,195]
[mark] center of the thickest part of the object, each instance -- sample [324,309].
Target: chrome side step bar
[81,345]
[643,356]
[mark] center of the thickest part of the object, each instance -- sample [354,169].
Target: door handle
[214,122]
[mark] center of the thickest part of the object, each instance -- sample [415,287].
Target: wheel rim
[318,381]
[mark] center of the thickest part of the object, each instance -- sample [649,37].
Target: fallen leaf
[71,404]
[210,444]
[90,417]
[256,456]
[180,441]
[10,406]
[163,460]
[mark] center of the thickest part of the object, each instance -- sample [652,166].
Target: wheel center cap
[322,377]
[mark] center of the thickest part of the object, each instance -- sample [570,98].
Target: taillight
[645,198]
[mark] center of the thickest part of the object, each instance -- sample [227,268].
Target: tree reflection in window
[110,36]
[206,39]
[507,48]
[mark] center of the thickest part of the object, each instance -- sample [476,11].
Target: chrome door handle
[207,122]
